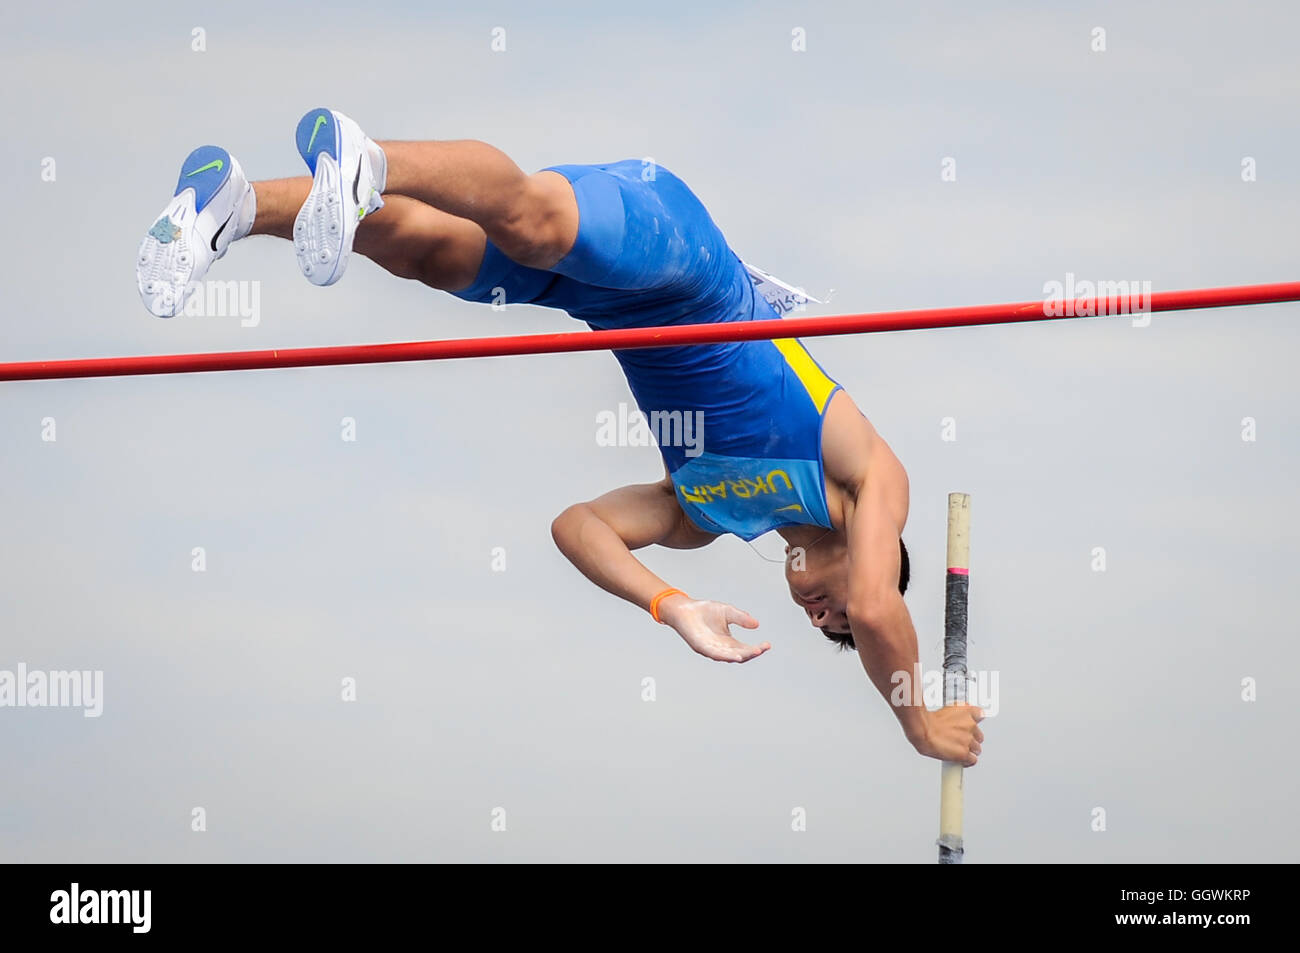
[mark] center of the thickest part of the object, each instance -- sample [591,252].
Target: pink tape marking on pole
[672,336]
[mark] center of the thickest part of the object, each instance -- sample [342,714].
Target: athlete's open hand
[706,628]
[953,734]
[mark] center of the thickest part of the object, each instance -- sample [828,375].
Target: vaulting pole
[954,669]
[672,336]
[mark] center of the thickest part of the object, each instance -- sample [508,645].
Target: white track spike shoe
[213,205]
[348,171]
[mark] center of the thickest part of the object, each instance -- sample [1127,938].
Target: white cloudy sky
[522,689]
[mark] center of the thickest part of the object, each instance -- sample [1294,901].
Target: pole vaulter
[755,436]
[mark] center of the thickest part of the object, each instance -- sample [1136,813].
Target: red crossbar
[676,335]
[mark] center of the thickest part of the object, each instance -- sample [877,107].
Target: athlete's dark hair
[845,639]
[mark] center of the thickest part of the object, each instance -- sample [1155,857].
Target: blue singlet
[647,253]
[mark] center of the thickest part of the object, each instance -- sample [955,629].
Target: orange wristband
[654,603]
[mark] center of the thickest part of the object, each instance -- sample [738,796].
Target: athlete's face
[818,581]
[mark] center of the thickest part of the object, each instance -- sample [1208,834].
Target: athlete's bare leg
[442,201]
[406,237]
[533,219]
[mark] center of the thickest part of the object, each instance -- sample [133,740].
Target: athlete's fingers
[729,650]
[741,618]
[978,734]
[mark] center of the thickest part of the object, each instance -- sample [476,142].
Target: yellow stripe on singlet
[813,378]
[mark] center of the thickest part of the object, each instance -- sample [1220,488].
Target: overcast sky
[523,689]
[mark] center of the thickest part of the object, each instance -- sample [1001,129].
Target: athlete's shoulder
[848,442]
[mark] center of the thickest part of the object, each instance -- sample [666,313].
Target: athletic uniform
[648,254]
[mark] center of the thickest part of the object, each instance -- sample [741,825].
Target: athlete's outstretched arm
[883,631]
[598,538]
[875,500]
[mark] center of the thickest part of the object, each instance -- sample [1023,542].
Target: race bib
[783,298]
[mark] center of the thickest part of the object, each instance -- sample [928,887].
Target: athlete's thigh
[639,228]
[415,240]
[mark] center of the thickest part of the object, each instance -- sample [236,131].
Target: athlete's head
[818,577]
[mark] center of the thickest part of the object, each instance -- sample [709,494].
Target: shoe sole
[319,232]
[165,261]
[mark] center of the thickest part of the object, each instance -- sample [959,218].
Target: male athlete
[621,245]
